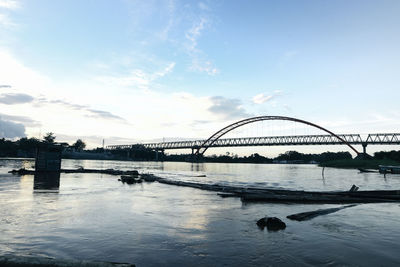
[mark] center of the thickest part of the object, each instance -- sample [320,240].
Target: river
[96,217]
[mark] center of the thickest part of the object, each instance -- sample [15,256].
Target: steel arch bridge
[353,139]
[213,138]
[200,146]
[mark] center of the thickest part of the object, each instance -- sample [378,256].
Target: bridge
[353,139]
[199,147]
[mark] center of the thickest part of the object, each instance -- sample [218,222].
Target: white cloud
[137,78]
[262,98]
[203,66]
[164,72]
[9,4]
[200,62]
[194,33]
[5,21]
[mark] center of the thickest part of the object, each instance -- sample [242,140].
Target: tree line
[26,147]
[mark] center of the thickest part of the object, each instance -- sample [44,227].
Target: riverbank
[358,163]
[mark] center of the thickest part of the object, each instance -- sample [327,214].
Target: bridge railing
[253,141]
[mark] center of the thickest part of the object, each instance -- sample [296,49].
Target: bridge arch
[206,144]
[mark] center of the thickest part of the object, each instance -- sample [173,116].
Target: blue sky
[131,71]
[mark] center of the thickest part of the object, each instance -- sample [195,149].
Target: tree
[79,145]
[49,138]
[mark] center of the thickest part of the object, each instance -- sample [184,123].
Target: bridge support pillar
[157,153]
[364,145]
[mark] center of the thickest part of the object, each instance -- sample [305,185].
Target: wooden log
[304,216]
[309,198]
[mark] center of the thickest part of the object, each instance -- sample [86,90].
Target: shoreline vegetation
[359,163]
[26,148]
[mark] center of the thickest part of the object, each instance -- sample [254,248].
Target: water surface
[96,217]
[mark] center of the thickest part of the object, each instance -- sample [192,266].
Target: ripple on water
[95,217]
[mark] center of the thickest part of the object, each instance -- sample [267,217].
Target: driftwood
[304,216]
[80,170]
[292,196]
[323,197]
[367,170]
[251,194]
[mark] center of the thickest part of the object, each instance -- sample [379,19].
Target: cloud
[11,99]
[137,78]
[9,4]
[5,86]
[6,21]
[262,98]
[43,100]
[194,33]
[163,72]
[204,66]
[5,5]
[10,129]
[94,113]
[26,121]
[200,62]
[227,108]
[103,115]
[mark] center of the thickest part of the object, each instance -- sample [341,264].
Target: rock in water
[262,222]
[272,223]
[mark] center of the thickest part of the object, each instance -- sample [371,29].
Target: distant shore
[358,163]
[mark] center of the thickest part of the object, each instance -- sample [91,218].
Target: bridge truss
[326,139]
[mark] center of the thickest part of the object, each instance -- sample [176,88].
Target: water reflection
[46,182]
[197,167]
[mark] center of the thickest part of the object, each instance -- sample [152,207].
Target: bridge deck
[372,139]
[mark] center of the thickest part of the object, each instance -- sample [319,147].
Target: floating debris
[304,216]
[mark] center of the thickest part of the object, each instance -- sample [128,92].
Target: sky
[143,71]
